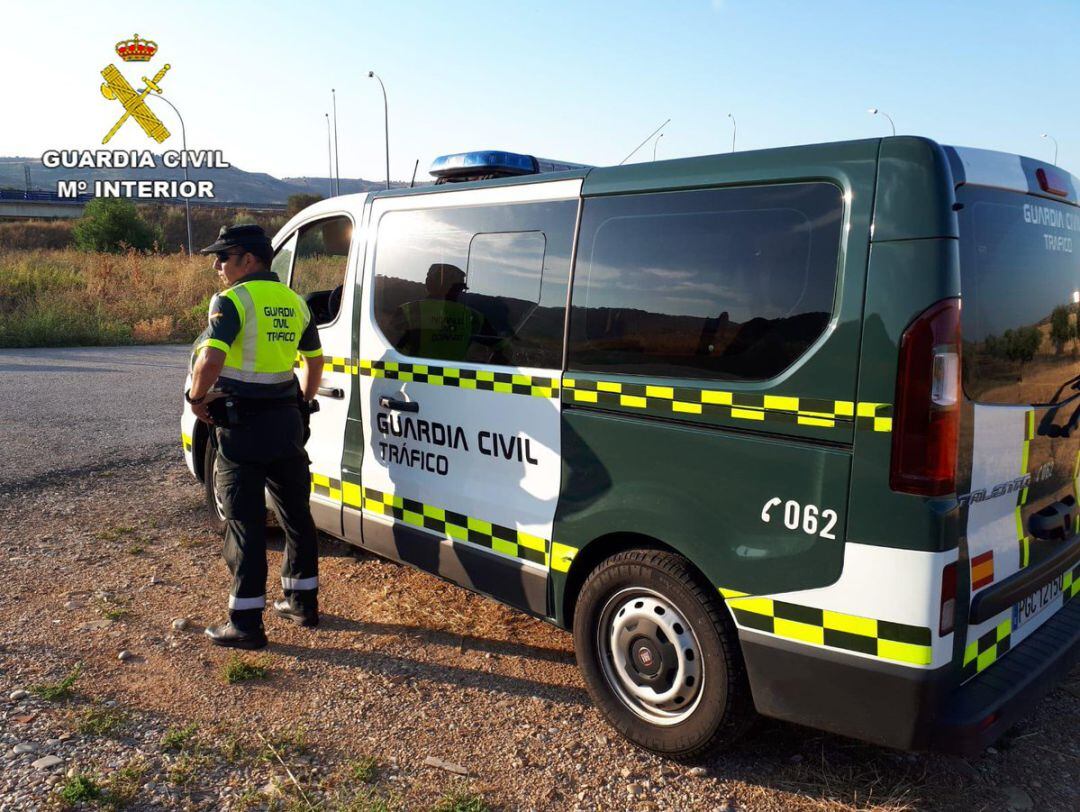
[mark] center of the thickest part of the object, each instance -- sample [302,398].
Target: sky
[578,81]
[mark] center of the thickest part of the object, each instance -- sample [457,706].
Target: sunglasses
[223,256]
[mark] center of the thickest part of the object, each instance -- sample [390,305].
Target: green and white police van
[794,431]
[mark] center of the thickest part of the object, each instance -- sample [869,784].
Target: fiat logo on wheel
[645,656]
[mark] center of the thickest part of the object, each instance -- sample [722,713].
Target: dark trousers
[266,450]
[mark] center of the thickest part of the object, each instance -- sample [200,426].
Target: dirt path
[406,669]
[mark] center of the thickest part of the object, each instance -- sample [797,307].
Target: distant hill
[349,186]
[231,185]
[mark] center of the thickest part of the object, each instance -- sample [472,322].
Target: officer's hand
[201,412]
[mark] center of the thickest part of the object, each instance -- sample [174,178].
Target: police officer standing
[243,384]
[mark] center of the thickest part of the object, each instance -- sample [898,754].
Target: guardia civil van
[794,431]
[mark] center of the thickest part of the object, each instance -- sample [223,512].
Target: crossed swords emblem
[117,87]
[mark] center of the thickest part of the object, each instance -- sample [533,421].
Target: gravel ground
[59,408]
[413,693]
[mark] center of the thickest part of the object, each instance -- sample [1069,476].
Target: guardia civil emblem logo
[134,101]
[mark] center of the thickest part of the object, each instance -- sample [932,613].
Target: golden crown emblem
[136,50]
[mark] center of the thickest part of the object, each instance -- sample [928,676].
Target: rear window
[1020,286]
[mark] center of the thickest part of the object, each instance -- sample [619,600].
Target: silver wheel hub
[650,656]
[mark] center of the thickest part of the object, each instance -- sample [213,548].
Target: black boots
[303,612]
[245,630]
[230,636]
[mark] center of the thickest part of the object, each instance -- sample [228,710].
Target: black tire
[212,506]
[618,601]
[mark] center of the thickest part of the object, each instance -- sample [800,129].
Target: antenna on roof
[643,143]
[416,166]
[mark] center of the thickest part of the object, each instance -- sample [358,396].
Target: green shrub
[52,691]
[113,224]
[80,789]
[238,669]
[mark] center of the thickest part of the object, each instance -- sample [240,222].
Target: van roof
[968,165]
[1014,173]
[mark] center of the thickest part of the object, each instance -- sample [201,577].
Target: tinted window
[485,284]
[322,254]
[733,283]
[1020,283]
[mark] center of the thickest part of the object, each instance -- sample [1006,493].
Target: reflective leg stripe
[247,603]
[299,584]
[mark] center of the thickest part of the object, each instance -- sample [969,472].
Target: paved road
[66,411]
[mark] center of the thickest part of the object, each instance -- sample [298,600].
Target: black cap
[249,237]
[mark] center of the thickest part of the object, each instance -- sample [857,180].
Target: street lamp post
[337,160]
[329,156]
[734,130]
[655,144]
[386,122]
[183,139]
[1047,135]
[874,111]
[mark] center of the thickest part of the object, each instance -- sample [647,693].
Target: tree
[1021,344]
[113,224]
[299,202]
[1062,329]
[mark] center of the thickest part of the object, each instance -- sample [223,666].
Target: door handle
[331,392]
[399,405]
[1055,521]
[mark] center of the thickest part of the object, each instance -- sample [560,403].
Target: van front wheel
[660,655]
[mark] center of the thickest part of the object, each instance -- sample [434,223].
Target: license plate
[1035,603]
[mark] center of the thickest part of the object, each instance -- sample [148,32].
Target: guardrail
[52,197]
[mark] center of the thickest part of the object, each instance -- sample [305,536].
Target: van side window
[322,254]
[731,284]
[281,266]
[482,284]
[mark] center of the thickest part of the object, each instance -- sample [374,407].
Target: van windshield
[1020,288]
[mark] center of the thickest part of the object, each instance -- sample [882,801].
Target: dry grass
[64,298]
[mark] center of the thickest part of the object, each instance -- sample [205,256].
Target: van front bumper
[908,708]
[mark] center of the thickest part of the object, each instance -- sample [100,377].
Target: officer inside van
[439,326]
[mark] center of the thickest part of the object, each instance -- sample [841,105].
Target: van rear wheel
[660,655]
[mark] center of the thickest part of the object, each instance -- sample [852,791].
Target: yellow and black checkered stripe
[822,627]
[448,523]
[732,405]
[1022,538]
[1076,491]
[481,379]
[185,439]
[332,363]
[458,526]
[982,653]
[1070,584]
[484,380]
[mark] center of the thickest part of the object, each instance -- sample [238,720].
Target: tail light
[927,418]
[948,600]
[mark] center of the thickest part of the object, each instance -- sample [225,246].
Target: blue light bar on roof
[494,163]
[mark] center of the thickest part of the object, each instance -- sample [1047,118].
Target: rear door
[1020,282]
